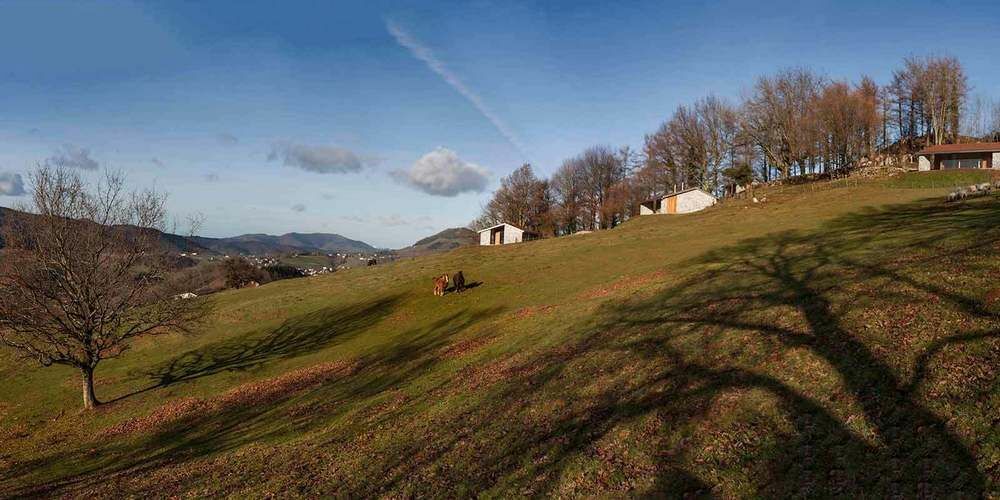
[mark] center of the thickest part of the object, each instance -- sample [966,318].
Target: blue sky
[389,121]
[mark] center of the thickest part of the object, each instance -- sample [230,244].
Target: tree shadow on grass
[782,366]
[697,370]
[794,292]
[301,335]
[222,429]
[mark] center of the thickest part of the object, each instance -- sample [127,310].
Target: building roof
[498,225]
[688,190]
[970,147]
[677,193]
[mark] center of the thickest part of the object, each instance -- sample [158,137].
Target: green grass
[308,261]
[942,179]
[838,342]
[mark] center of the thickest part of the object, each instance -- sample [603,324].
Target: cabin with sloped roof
[504,234]
[974,155]
[678,202]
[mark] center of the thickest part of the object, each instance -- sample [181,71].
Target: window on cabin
[960,163]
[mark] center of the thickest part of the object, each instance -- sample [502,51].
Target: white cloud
[11,184]
[319,159]
[442,173]
[425,54]
[71,156]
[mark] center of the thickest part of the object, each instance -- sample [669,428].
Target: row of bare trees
[791,123]
[925,99]
[593,190]
[982,118]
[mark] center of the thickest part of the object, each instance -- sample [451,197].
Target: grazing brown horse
[458,282]
[440,284]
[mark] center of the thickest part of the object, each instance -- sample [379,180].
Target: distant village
[308,264]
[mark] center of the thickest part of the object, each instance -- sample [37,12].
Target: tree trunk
[89,398]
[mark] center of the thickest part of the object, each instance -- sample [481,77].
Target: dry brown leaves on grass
[992,297]
[968,374]
[396,400]
[483,376]
[527,312]
[215,476]
[629,283]
[466,346]
[249,394]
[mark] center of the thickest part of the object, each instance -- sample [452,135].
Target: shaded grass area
[853,356]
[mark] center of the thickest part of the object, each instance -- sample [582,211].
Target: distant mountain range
[247,244]
[264,244]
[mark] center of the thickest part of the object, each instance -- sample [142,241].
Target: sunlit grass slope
[827,342]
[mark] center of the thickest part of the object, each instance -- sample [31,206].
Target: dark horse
[458,282]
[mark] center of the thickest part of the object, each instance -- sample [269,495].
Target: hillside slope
[830,342]
[446,240]
[171,243]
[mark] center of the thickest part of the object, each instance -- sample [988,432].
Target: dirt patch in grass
[250,394]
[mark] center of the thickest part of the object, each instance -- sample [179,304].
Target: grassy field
[307,261]
[943,179]
[828,342]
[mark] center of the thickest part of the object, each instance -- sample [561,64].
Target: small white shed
[680,202]
[502,234]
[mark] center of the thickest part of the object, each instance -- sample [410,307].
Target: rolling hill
[446,240]
[171,243]
[839,340]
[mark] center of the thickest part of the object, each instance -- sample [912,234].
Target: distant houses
[678,202]
[952,156]
[503,234]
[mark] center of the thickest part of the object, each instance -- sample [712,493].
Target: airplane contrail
[425,54]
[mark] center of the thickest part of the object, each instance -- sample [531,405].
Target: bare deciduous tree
[523,200]
[84,273]
[569,193]
[780,117]
[981,118]
[929,94]
[694,146]
[601,168]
